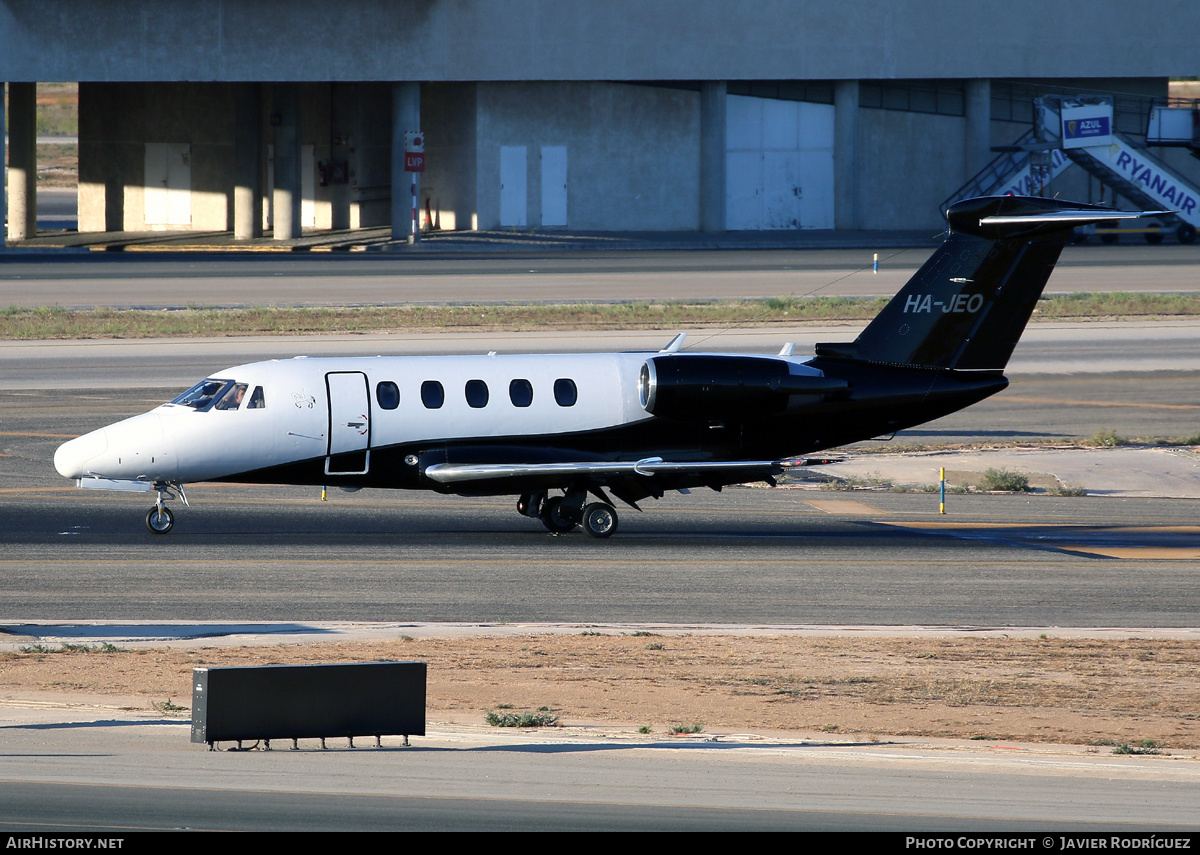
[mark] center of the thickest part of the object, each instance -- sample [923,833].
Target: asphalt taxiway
[513,273]
[746,556]
[112,771]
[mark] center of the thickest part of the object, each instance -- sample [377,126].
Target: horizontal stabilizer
[1074,218]
[1000,217]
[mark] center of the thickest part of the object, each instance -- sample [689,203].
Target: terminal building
[269,117]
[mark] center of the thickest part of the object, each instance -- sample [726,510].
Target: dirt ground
[1135,694]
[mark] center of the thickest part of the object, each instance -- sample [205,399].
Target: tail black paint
[968,305]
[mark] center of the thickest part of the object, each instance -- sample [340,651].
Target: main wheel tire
[1154,238]
[1186,233]
[160,521]
[599,520]
[555,518]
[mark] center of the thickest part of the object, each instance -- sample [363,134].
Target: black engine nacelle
[690,386]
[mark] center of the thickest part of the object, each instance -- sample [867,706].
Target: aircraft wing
[455,473]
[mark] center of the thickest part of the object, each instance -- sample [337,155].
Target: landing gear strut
[159,519]
[560,514]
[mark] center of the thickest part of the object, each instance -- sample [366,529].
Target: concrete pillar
[712,155]
[845,155]
[287,161]
[406,116]
[3,167]
[248,152]
[22,161]
[977,141]
[343,114]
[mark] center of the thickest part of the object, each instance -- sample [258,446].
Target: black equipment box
[308,701]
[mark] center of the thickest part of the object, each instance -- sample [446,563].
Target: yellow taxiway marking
[50,435]
[1078,403]
[1053,527]
[9,491]
[842,506]
[1171,553]
[1117,541]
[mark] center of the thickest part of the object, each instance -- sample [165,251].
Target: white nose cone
[72,458]
[132,450]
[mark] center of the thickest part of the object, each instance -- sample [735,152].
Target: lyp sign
[414,151]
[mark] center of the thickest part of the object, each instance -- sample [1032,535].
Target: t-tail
[967,306]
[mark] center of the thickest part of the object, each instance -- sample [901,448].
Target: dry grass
[19,323]
[1037,690]
[57,323]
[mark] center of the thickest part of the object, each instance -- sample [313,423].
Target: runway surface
[116,772]
[216,279]
[744,556]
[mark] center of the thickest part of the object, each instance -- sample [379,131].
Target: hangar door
[778,164]
[168,194]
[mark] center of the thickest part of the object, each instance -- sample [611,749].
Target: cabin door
[349,423]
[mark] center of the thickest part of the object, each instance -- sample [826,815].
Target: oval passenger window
[565,392]
[432,394]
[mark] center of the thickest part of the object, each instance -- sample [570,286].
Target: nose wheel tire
[160,520]
[599,520]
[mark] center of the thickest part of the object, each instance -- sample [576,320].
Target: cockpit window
[257,400]
[232,399]
[201,396]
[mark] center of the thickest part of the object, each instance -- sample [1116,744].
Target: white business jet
[568,433]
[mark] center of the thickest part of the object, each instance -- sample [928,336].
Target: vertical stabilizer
[968,305]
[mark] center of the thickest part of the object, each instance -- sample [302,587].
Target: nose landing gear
[159,519]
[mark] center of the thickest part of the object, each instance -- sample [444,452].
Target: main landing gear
[560,514]
[159,519]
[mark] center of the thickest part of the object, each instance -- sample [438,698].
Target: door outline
[514,186]
[348,395]
[554,186]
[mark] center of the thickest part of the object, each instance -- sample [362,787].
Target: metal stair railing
[995,175]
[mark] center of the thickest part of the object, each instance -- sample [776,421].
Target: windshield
[201,396]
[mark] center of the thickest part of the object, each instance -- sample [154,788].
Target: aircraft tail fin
[968,304]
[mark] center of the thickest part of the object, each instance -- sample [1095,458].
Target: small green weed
[645,728]
[680,728]
[106,647]
[524,719]
[1003,480]
[169,707]
[1105,438]
[1146,746]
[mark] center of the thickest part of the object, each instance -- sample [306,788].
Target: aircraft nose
[72,457]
